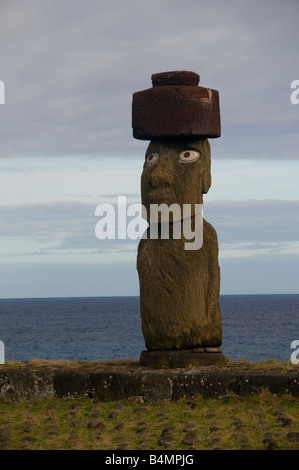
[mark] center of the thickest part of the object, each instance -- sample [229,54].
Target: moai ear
[206,175]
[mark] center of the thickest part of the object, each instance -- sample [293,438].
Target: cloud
[69,75]
[254,220]
[50,249]
[67,280]
[244,228]
[277,274]
[70,72]
[248,249]
[58,232]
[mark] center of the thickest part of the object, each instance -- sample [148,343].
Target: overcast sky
[70,68]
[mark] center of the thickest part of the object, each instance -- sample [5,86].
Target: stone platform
[121,380]
[174,359]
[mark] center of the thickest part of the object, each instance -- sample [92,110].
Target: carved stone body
[179,288]
[179,285]
[179,293]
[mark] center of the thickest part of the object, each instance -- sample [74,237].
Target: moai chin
[179,288]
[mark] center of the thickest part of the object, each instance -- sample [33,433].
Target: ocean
[255,327]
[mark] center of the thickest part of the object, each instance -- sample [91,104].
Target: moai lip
[176,107]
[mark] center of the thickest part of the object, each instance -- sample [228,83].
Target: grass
[260,421]
[64,363]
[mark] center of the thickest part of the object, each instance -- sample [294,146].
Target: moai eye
[152,159]
[188,156]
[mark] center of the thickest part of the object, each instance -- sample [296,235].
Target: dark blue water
[255,327]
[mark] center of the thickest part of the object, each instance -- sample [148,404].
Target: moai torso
[179,293]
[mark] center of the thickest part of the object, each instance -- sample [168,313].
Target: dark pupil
[151,157]
[187,154]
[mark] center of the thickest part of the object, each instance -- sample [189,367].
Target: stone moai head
[178,117]
[176,172]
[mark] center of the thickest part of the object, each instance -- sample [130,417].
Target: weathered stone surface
[175,107]
[171,180]
[104,386]
[96,424]
[293,436]
[179,287]
[179,296]
[179,282]
[190,438]
[145,384]
[285,420]
[190,426]
[20,385]
[175,78]
[156,387]
[174,359]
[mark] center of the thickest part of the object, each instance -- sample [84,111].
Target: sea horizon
[133,296]
[256,327]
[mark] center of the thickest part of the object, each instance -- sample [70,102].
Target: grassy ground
[261,421]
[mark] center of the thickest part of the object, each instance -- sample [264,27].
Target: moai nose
[162,174]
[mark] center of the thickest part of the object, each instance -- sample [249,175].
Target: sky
[70,69]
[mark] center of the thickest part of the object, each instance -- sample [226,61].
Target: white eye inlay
[152,159]
[188,156]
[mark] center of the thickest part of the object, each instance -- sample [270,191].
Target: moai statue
[179,279]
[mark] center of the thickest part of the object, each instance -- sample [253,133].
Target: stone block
[175,359]
[176,107]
